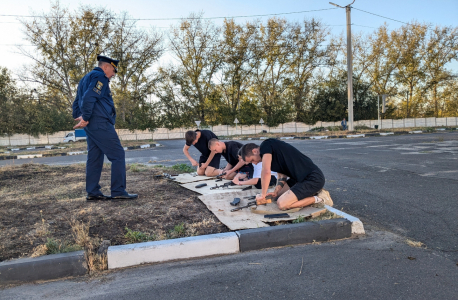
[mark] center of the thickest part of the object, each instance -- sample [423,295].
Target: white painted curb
[357,226]
[160,251]
[287,138]
[416,131]
[29,156]
[75,153]
[386,133]
[319,137]
[263,138]
[355,135]
[145,146]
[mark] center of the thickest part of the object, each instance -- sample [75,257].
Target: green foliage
[183,168]
[178,231]
[137,236]
[300,219]
[54,246]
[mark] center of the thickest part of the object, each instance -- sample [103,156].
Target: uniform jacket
[93,98]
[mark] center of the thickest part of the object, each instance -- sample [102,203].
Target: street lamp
[349,65]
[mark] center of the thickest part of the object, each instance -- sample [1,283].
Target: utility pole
[349,65]
[378,110]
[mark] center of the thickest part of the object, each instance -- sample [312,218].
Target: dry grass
[414,244]
[46,205]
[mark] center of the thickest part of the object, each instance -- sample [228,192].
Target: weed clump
[137,236]
[183,168]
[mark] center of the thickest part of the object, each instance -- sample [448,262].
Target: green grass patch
[54,246]
[183,168]
[137,236]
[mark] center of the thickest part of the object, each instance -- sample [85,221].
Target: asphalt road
[404,187]
[379,266]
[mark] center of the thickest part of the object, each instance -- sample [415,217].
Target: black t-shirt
[287,160]
[232,149]
[202,143]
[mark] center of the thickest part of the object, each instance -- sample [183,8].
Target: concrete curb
[43,268]
[357,226]
[293,234]
[182,248]
[66,153]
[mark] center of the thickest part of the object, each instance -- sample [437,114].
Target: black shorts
[273,181]
[247,169]
[312,184]
[214,162]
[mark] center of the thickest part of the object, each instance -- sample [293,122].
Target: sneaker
[323,194]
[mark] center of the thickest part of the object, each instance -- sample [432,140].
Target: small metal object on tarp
[201,185]
[247,188]
[165,176]
[276,216]
[235,202]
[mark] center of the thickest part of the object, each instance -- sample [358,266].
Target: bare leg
[231,176]
[211,172]
[200,171]
[289,200]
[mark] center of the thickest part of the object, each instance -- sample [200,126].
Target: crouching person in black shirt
[229,150]
[208,164]
[305,184]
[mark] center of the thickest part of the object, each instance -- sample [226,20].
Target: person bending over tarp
[305,184]
[209,161]
[229,150]
[253,178]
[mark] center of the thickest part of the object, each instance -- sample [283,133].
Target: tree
[409,41]
[237,67]
[197,45]
[272,52]
[307,55]
[442,48]
[137,51]
[66,47]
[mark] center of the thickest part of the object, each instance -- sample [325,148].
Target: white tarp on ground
[219,205]
[189,177]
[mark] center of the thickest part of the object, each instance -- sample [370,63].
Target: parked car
[78,135]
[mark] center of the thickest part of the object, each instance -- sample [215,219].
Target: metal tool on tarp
[252,203]
[165,176]
[223,186]
[220,176]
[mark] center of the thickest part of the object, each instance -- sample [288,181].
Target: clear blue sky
[440,12]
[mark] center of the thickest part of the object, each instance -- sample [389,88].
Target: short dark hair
[190,136]
[247,150]
[211,142]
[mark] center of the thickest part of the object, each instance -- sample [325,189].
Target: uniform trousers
[102,139]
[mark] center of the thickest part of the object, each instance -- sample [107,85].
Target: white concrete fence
[226,130]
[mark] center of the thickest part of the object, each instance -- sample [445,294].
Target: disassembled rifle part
[235,202]
[201,185]
[223,186]
[273,216]
[251,203]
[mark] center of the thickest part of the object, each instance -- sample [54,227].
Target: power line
[379,15]
[169,19]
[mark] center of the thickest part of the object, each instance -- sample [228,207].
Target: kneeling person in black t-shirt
[208,164]
[229,150]
[305,184]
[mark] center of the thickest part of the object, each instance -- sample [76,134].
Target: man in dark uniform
[94,109]
[305,184]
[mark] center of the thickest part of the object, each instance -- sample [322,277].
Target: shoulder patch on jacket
[99,85]
[97,91]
